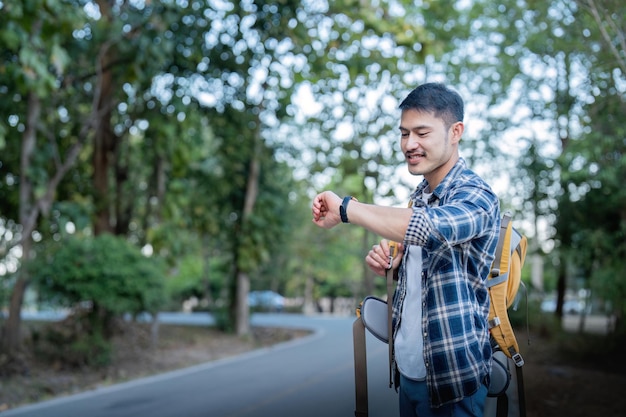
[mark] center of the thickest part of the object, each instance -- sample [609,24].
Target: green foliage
[106,271]
[609,282]
[175,79]
[333,259]
[187,281]
[196,276]
[201,90]
[33,33]
[591,223]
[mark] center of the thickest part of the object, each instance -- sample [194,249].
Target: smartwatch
[344,205]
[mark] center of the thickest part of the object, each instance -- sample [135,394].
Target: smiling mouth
[415,157]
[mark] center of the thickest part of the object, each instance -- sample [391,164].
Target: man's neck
[435,177]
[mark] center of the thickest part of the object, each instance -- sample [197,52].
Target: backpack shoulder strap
[500,261]
[499,325]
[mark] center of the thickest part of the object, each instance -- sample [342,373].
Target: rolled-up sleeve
[466,216]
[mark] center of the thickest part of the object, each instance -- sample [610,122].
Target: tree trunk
[206,269]
[242,312]
[104,138]
[561,285]
[243,279]
[13,323]
[309,305]
[11,334]
[123,206]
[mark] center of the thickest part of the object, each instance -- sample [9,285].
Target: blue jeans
[414,402]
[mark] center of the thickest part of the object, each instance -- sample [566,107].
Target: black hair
[438,99]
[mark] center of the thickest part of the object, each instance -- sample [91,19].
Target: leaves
[105,271]
[200,91]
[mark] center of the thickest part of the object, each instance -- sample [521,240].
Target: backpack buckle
[517,358]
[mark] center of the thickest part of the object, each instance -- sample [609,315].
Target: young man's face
[429,148]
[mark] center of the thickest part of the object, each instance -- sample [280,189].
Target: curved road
[307,377]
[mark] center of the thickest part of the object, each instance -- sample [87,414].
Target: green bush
[106,272]
[99,279]
[198,277]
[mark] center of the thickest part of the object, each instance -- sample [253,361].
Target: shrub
[105,272]
[100,279]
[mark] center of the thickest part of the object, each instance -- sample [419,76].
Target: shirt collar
[443,186]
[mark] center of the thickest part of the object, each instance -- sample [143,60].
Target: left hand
[378,258]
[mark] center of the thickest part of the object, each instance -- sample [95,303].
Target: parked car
[569,306]
[266,300]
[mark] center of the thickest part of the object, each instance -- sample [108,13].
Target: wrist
[343,209]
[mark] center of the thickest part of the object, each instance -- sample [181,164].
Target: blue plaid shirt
[458,232]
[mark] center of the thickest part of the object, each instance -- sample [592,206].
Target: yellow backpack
[506,397]
[503,283]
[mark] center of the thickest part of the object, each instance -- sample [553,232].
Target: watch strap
[344,207]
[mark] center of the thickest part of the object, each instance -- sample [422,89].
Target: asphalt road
[311,376]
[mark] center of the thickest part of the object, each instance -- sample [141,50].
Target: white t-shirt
[409,343]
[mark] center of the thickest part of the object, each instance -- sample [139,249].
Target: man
[449,235]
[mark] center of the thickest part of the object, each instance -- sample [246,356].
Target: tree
[544,64]
[594,215]
[35,57]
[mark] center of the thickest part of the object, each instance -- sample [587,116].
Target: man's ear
[456,131]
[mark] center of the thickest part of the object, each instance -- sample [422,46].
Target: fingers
[378,255]
[372,260]
[379,258]
[319,209]
[325,210]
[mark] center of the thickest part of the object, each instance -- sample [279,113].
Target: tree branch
[607,37]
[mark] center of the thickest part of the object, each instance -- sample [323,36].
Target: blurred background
[161,155]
